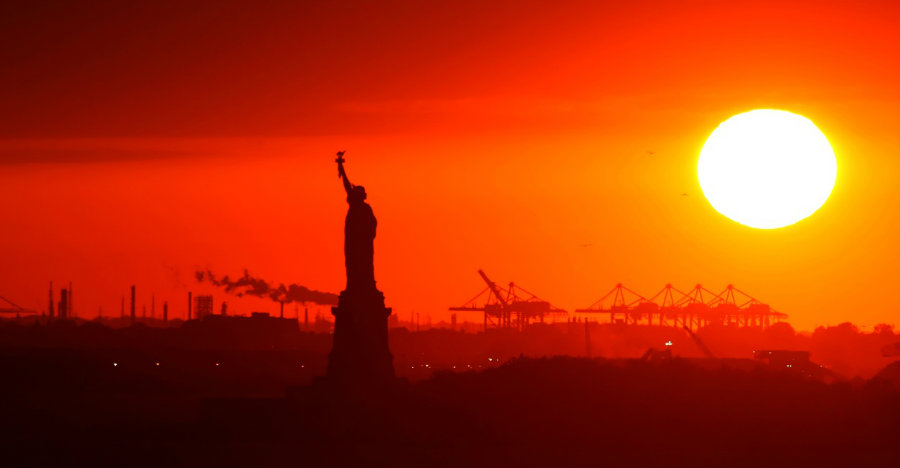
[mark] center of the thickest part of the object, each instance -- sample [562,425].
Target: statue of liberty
[360,354]
[359,235]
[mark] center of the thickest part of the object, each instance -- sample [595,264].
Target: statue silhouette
[359,353]
[359,235]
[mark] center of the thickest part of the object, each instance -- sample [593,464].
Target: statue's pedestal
[360,355]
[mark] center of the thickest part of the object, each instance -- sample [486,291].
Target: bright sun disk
[767,168]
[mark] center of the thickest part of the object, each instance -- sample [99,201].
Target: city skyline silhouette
[641,234]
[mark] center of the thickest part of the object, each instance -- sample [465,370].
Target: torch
[340,160]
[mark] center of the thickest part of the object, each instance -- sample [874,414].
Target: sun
[767,168]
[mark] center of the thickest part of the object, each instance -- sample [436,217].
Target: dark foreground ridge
[528,412]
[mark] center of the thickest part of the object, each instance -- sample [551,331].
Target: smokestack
[69,313]
[63,304]
[165,311]
[306,318]
[132,303]
[50,310]
[189,305]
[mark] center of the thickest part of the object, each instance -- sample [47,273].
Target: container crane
[696,308]
[511,307]
[17,309]
[621,304]
[747,310]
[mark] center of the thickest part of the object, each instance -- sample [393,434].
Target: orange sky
[546,142]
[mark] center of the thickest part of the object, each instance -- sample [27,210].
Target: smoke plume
[248,285]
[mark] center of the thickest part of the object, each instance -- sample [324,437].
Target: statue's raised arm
[342,173]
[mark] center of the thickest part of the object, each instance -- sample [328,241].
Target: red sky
[546,142]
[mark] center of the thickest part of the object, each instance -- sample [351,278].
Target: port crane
[694,309]
[623,301]
[511,307]
[16,309]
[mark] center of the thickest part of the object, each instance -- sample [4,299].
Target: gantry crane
[17,309]
[747,311]
[697,308]
[621,304]
[511,307]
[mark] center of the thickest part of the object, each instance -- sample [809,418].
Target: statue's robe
[359,239]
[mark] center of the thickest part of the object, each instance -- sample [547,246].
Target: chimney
[165,311]
[132,303]
[306,317]
[69,313]
[63,304]
[50,311]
